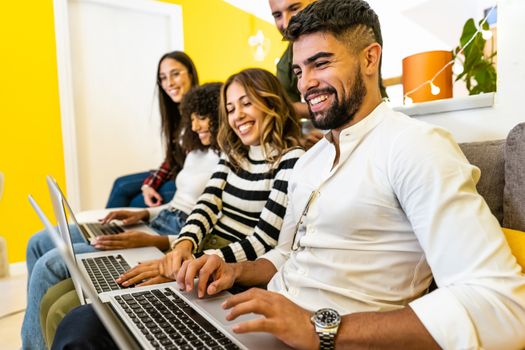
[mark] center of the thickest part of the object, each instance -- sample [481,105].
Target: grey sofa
[502,182]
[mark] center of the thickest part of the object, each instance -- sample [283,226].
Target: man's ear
[371,55]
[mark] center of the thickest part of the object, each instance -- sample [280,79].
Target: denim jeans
[47,271]
[126,191]
[48,268]
[169,222]
[40,243]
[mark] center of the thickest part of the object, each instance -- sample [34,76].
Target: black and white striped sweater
[244,206]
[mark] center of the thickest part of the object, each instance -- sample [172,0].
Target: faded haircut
[353,22]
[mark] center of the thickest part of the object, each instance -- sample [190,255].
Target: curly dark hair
[352,22]
[204,101]
[170,114]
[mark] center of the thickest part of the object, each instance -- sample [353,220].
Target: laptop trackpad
[213,306]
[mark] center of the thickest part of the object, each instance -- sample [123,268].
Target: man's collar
[362,126]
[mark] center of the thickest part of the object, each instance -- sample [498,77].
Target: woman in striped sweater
[240,213]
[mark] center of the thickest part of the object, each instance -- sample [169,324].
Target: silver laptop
[102,267]
[160,316]
[91,230]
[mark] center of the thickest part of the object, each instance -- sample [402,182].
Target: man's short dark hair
[352,22]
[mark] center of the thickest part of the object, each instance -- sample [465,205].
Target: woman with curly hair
[199,110]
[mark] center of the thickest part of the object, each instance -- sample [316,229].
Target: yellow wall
[216,37]
[30,134]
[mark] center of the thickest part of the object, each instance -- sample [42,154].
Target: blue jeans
[48,268]
[169,222]
[48,271]
[40,243]
[126,191]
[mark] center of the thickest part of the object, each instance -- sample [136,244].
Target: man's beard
[340,113]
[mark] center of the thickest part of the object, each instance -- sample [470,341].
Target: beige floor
[12,306]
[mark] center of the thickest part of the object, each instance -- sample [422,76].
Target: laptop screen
[72,224]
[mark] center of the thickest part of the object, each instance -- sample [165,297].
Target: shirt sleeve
[268,228]
[480,300]
[205,213]
[159,176]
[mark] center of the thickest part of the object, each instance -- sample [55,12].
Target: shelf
[448,105]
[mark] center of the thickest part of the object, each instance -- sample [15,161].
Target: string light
[434,89]
[260,43]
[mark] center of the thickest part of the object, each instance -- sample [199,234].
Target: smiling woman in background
[176,75]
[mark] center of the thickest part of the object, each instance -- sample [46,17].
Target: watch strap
[326,341]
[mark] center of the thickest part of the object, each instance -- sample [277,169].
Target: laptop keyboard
[103,270]
[168,322]
[102,230]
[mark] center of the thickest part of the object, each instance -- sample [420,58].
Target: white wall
[495,122]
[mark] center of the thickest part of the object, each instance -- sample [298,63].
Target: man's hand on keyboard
[143,274]
[281,317]
[209,268]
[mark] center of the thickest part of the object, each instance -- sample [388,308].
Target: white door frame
[65,76]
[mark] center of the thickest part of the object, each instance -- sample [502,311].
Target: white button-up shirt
[400,206]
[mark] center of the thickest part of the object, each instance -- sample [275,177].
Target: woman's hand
[172,262]
[128,217]
[130,239]
[151,197]
[143,274]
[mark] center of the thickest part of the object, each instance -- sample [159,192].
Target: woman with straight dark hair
[176,75]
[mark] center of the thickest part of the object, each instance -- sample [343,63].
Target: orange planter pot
[423,66]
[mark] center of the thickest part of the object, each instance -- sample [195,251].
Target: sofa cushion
[488,156]
[516,241]
[514,193]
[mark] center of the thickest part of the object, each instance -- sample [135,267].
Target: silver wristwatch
[326,322]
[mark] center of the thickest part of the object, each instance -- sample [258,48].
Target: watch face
[327,318]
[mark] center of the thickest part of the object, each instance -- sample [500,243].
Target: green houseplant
[479,72]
